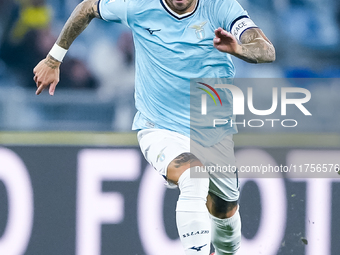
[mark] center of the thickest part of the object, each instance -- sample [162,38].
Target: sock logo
[197,248]
[196,233]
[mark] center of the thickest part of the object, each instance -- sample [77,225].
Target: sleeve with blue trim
[227,11]
[114,10]
[233,17]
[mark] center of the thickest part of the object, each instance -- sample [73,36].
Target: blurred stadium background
[72,179]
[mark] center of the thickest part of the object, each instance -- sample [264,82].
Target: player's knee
[221,208]
[180,164]
[193,194]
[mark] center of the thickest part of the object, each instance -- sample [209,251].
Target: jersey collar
[176,15]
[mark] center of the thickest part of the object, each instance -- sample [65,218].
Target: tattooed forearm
[78,21]
[256,48]
[52,62]
[185,158]
[258,51]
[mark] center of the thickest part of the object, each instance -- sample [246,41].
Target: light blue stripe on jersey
[169,52]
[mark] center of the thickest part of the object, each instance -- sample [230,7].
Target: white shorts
[160,147]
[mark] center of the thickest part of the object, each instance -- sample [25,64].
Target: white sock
[192,217]
[226,234]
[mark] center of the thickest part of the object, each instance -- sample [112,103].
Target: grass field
[129,139]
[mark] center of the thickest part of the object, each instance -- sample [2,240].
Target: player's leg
[222,200]
[226,225]
[220,208]
[168,153]
[192,217]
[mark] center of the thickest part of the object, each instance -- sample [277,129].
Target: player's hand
[226,42]
[46,73]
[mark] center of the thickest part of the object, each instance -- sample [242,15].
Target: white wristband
[57,52]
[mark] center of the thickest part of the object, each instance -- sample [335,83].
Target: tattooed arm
[47,71]
[78,21]
[254,48]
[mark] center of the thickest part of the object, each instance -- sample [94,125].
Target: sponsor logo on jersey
[199,30]
[110,1]
[151,31]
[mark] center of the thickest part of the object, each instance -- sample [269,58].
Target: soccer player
[176,40]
